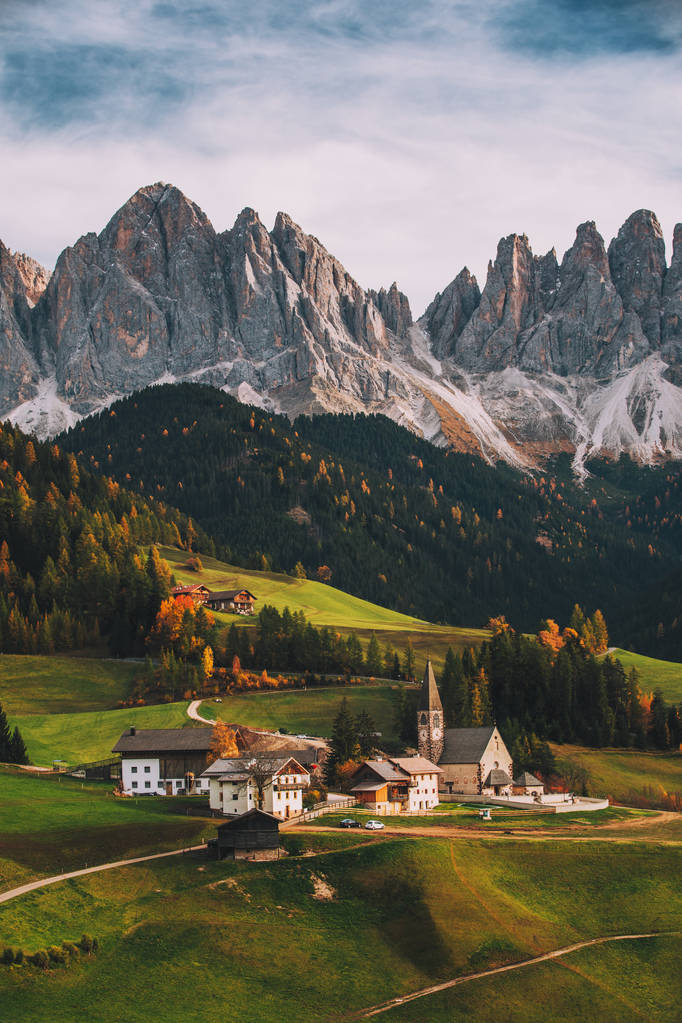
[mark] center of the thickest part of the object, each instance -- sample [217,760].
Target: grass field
[200,940]
[447,815]
[310,711]
[324,605]
[52,824]
[82,738]
[654,674]
[62,685]
[627,776]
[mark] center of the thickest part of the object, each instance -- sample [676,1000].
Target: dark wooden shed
[253,835]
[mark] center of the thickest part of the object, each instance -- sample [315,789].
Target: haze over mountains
[583,355]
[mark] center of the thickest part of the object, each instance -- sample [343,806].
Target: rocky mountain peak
[395,309]
[637,265]
[450,311]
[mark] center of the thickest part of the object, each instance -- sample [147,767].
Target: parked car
[348,822]
[373,826]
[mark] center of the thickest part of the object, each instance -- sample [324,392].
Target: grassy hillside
[628,776]
[80,738]
[654,674]
[311,712]
[265,947]
[325,605]
[62,685]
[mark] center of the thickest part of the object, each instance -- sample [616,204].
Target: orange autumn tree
[550,636]
[223,744]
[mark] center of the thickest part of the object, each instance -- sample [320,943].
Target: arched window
[423,719]
[435,719]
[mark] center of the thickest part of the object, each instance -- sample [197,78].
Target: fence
[321,808]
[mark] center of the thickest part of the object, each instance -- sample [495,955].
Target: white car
[374,826]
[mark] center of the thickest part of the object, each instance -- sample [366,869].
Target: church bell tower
[430,718]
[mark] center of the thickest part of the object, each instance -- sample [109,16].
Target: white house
[164,761]
[397,785]
[274,782]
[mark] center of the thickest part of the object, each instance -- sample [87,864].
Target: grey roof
[233,822]
[386,770]
[237,766]
[527,779]
[429,697]
[465,745]
[164,740]
[228,594]
[498,777]
[416,765]
[368,786]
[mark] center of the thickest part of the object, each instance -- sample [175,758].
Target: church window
[435,719]
[423,719]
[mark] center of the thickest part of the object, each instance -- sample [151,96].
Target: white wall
[141,776]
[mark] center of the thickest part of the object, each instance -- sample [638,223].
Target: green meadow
[627,776]
[654,674]
[320,937]
[61,685]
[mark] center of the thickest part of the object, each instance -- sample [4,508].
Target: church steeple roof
[429,697]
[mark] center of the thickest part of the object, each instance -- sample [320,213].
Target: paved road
[392,1003]
[44,881]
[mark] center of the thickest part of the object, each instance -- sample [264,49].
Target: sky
[407,136]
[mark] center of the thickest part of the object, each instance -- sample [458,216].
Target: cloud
[408,138]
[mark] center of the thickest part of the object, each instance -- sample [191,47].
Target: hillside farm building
[397,785]
[164,761]
[198,593]
[268,781]
[239,602]
[253,835]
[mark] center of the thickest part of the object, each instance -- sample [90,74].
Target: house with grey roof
[473,761]
[396,785]
[164,761]
[527,785]
[271,781]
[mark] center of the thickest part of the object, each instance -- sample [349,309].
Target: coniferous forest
[363,503]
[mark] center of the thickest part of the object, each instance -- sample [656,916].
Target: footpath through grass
[290,941]
[50,825]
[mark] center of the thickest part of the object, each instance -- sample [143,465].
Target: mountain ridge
[582,356]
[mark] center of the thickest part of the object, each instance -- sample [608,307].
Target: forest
[365,504]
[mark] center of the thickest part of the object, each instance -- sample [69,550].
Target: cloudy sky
[408,136]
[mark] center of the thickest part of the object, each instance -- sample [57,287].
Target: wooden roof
[164,740]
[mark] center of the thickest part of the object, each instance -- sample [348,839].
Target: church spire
[430,718]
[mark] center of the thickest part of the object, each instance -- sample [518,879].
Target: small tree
[223,744]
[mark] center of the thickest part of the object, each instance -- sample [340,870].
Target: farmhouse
[164,761]
[397,785]
[473,761]
[198,593]
[268,781]
[238,602]
[527,785]
[253,835]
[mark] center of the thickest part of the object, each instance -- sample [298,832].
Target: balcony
[287,786]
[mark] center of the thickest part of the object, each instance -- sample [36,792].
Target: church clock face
[437,732]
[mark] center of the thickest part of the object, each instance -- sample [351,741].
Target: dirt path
[14,893]
[392,1003]
[569,833]
[193,713]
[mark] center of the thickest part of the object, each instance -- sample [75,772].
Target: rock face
[581,356]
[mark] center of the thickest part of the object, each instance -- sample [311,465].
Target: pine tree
[373,657]
[409,662]
[343,745]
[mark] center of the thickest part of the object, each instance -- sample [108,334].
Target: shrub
[86,943]
[40,959]
[8,956]
[57,955]
[71,948]
[19,956]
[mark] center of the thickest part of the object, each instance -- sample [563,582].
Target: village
[264,783]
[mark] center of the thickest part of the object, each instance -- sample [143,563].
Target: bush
[71,948]
[86,944]
[8,956]
[19,956]
[57,955]
[40,959]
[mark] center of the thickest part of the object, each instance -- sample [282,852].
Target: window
[235,796]
[133,770]
[134,784]
[147,770]
[147,784]
[159,784]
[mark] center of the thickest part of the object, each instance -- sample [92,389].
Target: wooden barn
[198,593]
[238,602]
[251,836]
